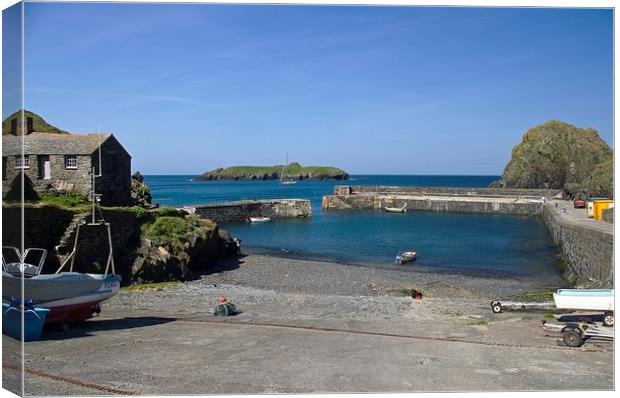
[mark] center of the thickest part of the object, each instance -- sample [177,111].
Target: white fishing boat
[70,296]
[283,179]
[585,299]
[396,209]
[405,257]
[259,219]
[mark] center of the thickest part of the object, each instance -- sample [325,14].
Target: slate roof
[53,144]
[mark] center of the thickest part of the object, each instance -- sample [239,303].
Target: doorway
[45,167]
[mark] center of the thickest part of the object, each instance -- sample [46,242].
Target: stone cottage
[64,162]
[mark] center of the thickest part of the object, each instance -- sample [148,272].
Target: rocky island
[558,155]
[292,171]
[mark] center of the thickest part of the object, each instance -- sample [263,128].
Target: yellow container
[599,206]
[590,205]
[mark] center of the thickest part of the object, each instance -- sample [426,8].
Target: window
[71,161]
[19,164]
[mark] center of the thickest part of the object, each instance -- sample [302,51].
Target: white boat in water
[259,219]
[396,209]
[585,299]
[283,179]
[406,257]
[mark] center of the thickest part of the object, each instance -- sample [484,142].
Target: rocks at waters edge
[170,262]
[559,155]
[140,192]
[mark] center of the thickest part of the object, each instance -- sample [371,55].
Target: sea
[445,242]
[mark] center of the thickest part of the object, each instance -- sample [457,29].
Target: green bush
[173,231]
[64,199]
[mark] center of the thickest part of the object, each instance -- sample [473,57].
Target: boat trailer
[499,307]
[574,334]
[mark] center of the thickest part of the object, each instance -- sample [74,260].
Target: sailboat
[283,180]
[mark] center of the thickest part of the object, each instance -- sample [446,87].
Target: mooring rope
[70,380]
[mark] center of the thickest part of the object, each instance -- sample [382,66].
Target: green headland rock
[559,155]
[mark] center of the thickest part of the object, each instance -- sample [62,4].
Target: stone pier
[464,200]
[585,244]
[242,210]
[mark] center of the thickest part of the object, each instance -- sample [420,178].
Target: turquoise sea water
[471,243]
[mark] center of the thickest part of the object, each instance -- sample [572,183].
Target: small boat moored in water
[396,209]
[405,257]
[259,219]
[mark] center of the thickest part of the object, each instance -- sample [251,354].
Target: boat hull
[77,307]
[405,257]
[394,210]
[259,219]
[585,299]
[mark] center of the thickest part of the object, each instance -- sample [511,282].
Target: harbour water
[470,243]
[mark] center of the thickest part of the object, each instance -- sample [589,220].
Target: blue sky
[382,90]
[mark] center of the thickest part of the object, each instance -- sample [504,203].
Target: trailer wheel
[496,307]
[608,319]
[572,336]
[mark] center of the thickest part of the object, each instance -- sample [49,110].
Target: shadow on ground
[590,318]
[227,264]
[86,328]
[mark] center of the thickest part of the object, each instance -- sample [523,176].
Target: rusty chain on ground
[70,380]
[383,334]
[117,391]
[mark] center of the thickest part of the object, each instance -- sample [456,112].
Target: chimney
[29,125]
[17,128]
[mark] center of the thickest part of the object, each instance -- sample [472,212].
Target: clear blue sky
[187,88]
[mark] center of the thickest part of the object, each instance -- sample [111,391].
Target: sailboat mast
[284,166]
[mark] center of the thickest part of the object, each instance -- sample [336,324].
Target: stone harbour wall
[445,191]
[242,210]
[460,205]
[587,253]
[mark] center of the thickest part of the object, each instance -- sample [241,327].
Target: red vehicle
[579,203]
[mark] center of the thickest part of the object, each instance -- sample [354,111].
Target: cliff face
[555,155]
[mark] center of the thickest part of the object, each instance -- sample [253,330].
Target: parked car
[579,203]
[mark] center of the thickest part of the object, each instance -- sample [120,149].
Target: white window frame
[71,162]
[18,162]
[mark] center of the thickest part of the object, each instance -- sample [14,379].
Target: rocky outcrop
[140,192]
[601,180]
[555,155]
[171,259]
[138,256]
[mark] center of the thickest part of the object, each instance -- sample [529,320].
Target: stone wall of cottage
[114,184]
[62,178]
